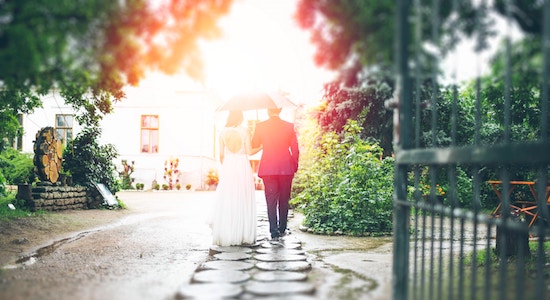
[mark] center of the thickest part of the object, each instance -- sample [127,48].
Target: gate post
[402,105]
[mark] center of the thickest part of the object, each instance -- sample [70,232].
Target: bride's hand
[256,150]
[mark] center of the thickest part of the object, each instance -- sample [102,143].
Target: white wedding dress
[234,216]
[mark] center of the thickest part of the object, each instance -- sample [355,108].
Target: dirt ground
[145,251]
[20,236]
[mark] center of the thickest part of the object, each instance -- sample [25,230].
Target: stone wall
[53,198]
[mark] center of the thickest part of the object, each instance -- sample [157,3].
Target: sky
[465,64]
[262,48]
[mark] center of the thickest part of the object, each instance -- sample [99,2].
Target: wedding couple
[234,219]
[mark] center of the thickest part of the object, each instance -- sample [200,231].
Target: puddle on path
[32,257]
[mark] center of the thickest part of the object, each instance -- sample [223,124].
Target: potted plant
[155,185]
[125,174]
[259,184]
[212,179]
[172,173]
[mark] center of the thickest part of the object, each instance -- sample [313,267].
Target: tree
[356,38]
[362,32]
[89,50]
[527,13]
[365,104]
[525,91]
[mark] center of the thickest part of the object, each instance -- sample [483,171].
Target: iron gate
[465,246]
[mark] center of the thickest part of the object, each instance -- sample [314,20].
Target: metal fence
[471,220]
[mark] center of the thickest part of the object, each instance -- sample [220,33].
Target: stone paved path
[267,269]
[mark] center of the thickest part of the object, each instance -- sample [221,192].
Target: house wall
[187,129]
[43,117]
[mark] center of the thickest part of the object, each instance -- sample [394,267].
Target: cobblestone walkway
[267,269]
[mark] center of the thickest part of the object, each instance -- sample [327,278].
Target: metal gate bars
[471,187]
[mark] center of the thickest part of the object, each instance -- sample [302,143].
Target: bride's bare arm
[249,149]
[222,148]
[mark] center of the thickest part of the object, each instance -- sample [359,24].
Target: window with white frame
[149,134]
[64,127]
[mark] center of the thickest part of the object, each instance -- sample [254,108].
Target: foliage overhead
[527,13]
[362,33]
[89,50]
[363,103]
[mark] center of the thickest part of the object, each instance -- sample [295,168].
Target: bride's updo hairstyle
[234,119]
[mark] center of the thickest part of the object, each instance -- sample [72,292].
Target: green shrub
[20,210]
[17,167]
[348,190]
[442,185]
[2,184]
[90,162]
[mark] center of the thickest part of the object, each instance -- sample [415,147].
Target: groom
[278,164]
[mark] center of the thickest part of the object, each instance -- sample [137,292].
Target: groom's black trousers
[277,194]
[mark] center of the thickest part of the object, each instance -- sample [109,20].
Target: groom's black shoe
[275,236]
[284,233]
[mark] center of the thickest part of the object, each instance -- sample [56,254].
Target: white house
[161,120]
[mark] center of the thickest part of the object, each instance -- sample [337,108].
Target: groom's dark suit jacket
[280,147]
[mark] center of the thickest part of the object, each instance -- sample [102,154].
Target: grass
[494,259]
[509,284]
[489,284]
[6,213]
[21,212]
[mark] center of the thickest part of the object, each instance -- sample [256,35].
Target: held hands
[255,150]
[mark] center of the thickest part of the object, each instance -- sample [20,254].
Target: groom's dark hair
[273,111]
[234,119]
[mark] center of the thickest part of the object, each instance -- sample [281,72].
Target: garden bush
[89,162]
[463,190]
[348,190]
[2,184]
[16,167]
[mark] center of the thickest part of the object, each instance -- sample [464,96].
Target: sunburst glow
[262,49]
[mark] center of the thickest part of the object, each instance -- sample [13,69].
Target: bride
[234,218]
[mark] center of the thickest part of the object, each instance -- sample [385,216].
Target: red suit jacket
[280,147]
